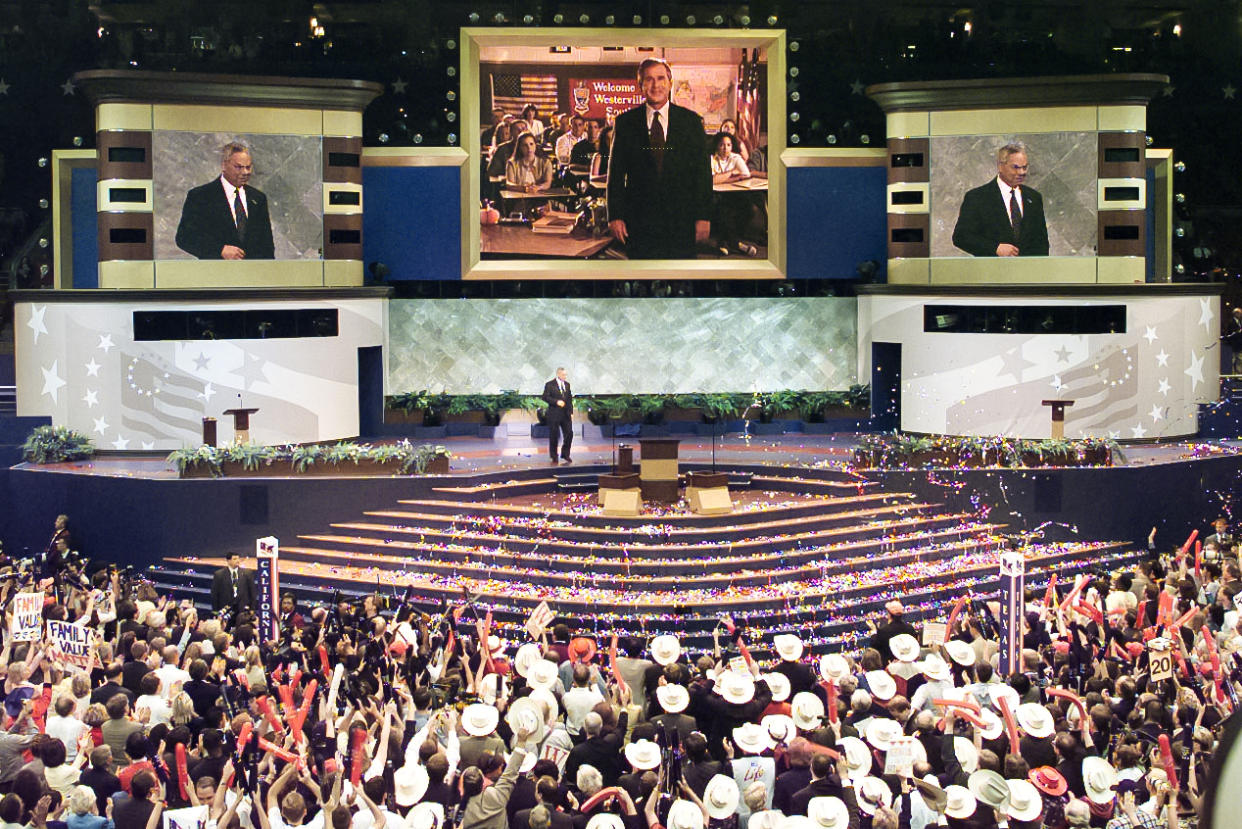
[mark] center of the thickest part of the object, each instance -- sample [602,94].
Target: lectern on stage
[241,424]
[657,469]
[1058,417]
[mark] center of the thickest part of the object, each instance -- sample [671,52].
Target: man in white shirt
[65,727]
[565,144]
[580,699]
[171,675]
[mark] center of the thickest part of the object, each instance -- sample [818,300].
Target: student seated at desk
[731,210]
[599,161]
[527,170]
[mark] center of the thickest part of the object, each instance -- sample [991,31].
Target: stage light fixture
[793,46]
[795,96]
[793,116]
[383,138]
[718,20]
[499,17]
[1149,140]
[1180,166]
[451,44]
[473,17]
[771,20]
[637,20]
[744,20]
[609,20]
[450,95]
[528,19]
[832,138]
[691,20]
[794,139]
[43,270]
[452,71]
[1177,29]
[43,242]
[450,116]
[558,18]
[1180,269]
[43,203]
[793,71]
[77,141]
[1179,232]
[452,138]
[418,138]
[1181,198]
[584,19]
[42,162]
[664,20]
[864,138]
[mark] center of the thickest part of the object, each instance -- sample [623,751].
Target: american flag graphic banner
[511,92]
[748,122]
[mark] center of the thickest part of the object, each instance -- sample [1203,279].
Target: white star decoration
[1114,435]
[105,342]
[1195,371]
[1056,382]
[398,87]
[1164,386]
[92,368]
[68,87]
[1155,414]
[207,392]
[101,425]
[91,399]
[120,443]
[856,88]
[4,87]
[35,323]
[51,380]
[1205,313]
[1138,431]
[1150,336]
[147,446]
[1229,90]
[1162,358]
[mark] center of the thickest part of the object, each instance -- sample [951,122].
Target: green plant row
[718,404]
[408,458]
[903,450]
[56,444]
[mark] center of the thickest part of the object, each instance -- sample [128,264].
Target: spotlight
[77,141]
[42,162]
[1181,198]
[744,20]
[864,138]
[43,203]
[793,47]
[1148,139]
[794,139]
[43,242]
[771,20]
[473,17]
[452,71]
[418,138]
[499,17]
[664,20]
[793,71]
[832,138]
[450,116]
[558,18]
[43,270]
[637,20]
[528,19]
[452,138]
[450,95]
[584,19]
[795,96]
[1180,166]
[383,138]
[1179,232]
[452,44]
[718,20]
[793,116]
[690,20]
[1180,268]
[609,20]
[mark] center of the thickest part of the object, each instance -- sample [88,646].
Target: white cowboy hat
[989,788]
[998,691]
[425,816]
[752,738]
[967,754]
[904,647]
[527,655]
[605,820]
[643,755]
[960,803]
[684,815]
[548,699]
[779,685]
[833,667]
[489,688]
[525,715]
[796,822]
[857,757]
[479,720]
[767,819]
[917,750]
[960,652]
[807,710]
[737,688]
[779,727]
[1098,777]
[873,793]
[881,732]
[528,762]
[993,724]
[496,646]
[409,784]
[665,649]
[673,698]
[788,646]
[827,813]
[935,668]
[721,797]
[1035,720]
[883,686]
[542,674]
[1025,802]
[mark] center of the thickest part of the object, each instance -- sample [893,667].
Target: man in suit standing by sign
[232,587]
[1003,217]
[659,173]
[560,400]
[227,218]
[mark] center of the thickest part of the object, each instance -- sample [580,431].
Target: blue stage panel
[412,221]
[836,217]
[85,228]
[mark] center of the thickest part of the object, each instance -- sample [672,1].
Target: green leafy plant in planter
[537,405]
[782,402]
[56,444]
[720,405]
[859,396]
[418,458]
[651,407]
[249,455]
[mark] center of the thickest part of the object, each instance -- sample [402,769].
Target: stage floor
[489,455]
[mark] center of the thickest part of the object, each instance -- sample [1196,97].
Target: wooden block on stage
[658,469]
[707,480]
[709,500]
[612,483]
[622,502]
[658,448]
[666,492]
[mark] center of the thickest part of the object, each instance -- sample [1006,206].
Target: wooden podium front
[241,424]
[658,470]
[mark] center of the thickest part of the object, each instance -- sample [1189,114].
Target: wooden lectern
[1058,416]
[657,469]
[241,424]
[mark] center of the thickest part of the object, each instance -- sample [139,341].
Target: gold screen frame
[771,41]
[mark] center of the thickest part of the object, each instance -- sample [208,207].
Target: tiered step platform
[811,551]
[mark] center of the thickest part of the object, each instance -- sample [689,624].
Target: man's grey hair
[592,724]
[231,149]
[589,780]
[559,369]
[1012,148]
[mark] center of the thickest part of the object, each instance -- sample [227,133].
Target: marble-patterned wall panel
[622,345]
[288,169]
[1063,171]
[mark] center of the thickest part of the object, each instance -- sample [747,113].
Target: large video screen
[1057,190]
[221,196]
[626,147]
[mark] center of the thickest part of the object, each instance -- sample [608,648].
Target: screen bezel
[772,41]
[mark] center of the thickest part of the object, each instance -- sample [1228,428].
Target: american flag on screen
[748,99]
[511,92]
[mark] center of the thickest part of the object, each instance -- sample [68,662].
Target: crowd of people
[392,714]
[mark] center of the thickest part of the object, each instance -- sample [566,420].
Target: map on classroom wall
[708,90]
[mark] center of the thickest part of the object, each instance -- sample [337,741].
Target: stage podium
[241,424]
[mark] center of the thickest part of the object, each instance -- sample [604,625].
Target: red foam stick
[1075,699]
[265,706]
[286,698]
[957,608]
[831,689]
[1166,759]
[1011,725]
[1088,610]
[183,774]
[294,678]
[1165,611]
[1069,600]
[598,798]
[1214,655]
[356,755]
[277,751]
[278,674]
[961,704]
[323,660]
[964,714]
[1050,595]
[244,737]
[299,717]
[242,678]
[1198,560]
[612,661]
[1141,618]
[1185,618]
[1186,547]
[818,749]
[741,646]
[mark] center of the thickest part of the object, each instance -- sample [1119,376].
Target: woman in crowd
[528,171]
[732,210]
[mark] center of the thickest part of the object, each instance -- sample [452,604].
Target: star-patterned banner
[79,364]
[1147,382]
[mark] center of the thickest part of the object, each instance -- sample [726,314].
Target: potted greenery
[651,408]
[56,444]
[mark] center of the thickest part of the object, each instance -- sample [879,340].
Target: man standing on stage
[560,400]
[232,587]
[659,173]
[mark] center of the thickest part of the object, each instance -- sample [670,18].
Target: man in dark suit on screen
[659,173]
[560,400]
[227,218]
[232,588]
[1003,217]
